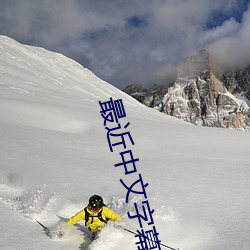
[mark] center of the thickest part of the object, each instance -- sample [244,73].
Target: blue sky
[218,17]
[132,41]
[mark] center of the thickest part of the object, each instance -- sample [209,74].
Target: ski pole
[45,228]
[41,224]
[151,240]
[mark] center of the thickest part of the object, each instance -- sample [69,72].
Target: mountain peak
[197,64]
[201,97]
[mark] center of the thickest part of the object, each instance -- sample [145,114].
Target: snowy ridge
[54,155]
[200,96]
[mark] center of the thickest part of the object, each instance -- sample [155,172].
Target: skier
[95,214]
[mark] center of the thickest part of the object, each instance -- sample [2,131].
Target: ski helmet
[95,202]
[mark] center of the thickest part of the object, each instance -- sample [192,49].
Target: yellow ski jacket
[94,223]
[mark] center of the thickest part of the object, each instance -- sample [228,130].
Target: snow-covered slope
[55,154]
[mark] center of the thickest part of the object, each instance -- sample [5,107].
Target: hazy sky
[131,41]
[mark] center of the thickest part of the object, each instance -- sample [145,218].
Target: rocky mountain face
[200,96]
[237,81]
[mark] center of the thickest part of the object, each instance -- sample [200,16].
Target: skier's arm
[110,214]
[77,217]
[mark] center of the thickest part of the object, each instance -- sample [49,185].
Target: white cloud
[233,50]
[97,32]
[228,28]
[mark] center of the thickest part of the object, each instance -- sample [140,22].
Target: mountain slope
[55,154]
[202,96]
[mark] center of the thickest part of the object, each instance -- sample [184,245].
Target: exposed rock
[137,91]
[201,97]
[237,81]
